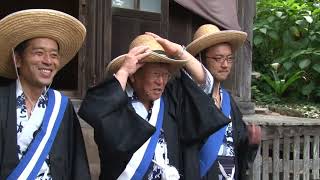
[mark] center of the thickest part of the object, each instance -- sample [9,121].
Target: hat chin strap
[18,77]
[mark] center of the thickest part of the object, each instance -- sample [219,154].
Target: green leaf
[307,90]
[316,67]
[295,31]
[304,63]
[286,38]
[274,35]
[304,42]
[279,14]
[312,38]
[269,81]
[290,81]
[263,30]
[277,25]
[275,75]
[308,19]
[267,26]
[299,53]
[283,17]
[309,12]
[270,19]
[300,22]
[257,40]
[288,65]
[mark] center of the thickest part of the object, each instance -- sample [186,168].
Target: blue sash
[209,151]
[32,161]
[148,155]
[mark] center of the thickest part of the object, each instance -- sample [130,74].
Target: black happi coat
[244,153]
[119,131]
[68,159]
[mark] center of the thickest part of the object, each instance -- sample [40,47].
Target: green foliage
[288,32]
[262,97]
[280,85]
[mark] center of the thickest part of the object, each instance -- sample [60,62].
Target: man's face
[39,62]
[219,59]
[150,80]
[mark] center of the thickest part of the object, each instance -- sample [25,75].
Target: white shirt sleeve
[208,85]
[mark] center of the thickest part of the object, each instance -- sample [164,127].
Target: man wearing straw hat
[40,135]
[226,154]
[143,117]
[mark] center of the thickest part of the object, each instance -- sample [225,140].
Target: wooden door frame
[96,51]
[96,15]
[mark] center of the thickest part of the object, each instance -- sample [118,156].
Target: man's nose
[160,79]
[47,59]
[224,63]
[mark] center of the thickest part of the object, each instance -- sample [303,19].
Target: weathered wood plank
[275,156]
[306,157]
[265,160]
[289,131]
[315,152]
[286,157]
[256,170]
[296,157]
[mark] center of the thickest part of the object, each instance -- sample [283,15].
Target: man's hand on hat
[132,60]
[171,48]
[131,64]
[193,66]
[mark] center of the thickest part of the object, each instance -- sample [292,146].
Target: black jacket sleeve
[198,115]
[80,168]
[119,131]
[246,152]
[8,160]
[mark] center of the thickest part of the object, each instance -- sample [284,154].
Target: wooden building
[112,24]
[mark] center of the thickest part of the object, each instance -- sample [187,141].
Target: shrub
[288,32]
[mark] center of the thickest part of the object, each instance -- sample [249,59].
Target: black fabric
[244,153]
[68,157]
[119,131]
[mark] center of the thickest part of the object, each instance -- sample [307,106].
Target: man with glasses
[226,154]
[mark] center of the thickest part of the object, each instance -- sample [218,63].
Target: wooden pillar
[98,40]
[241,76]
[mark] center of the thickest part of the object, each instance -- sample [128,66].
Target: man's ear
[18,59]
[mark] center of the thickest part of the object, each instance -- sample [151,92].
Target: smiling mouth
[46,72]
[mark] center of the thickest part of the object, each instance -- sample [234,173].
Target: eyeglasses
[220,59]
[156,76]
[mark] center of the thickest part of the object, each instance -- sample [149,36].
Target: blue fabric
[209,151]
[34,145]
[146,160]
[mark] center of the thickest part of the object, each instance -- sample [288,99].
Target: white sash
[138,155]
[30,164]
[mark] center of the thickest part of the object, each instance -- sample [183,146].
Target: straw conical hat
[17,27]
[208,35]
[156,56]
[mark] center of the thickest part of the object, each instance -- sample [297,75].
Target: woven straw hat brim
[17,27]
[153,57]
[235,38]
